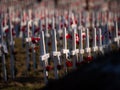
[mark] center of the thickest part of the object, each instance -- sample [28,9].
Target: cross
[43,55]
[74,51]
[2,51]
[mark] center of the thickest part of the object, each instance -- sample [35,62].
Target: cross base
[44,57]
[65,51]
[56,53]
[87,50]
[28,39]
[116,39]
[81,51]
[100,48]
[74,52]
[94,48]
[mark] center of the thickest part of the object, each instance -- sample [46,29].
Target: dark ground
[103,73]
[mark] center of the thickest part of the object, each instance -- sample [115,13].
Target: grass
[30,80]
[26,80]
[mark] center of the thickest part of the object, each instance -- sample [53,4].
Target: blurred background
[112,5]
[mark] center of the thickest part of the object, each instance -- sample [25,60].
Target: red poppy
[65,25]
[76,21]
[90,19]
[77,38]
[23,28]
[112,28]
[69,63]
[30,27]
[102,37]
[48,68]
[67,17]
[36,48]
[77,42]
[7,30]
[118,19]
[37,30]
[35,40]
[49,26]
[42,17]
[84,36]
[61,25]
[13,33]
[97,38]
[71,22]
[89,58]
[119,33]
[68,36]
[43,25]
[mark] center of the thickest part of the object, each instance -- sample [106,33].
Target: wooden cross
[2,56]
[11,45]
[74,51]
[43,55]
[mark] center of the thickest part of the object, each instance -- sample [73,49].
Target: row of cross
[73,35]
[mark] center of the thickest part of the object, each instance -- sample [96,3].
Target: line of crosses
[73,28]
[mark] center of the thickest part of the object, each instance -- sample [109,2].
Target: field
[100,73]
[32,79]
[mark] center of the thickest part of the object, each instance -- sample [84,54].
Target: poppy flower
[49,26]
[77,42]
[7,30]
[69,63]
[68,36]
[102,37]
[35,40]
[89,58]
[76,21]
[112,28]
[30,27]
[13,33]
[77,38]
[67,17]
[48,68]
[65,25]
[61,25]
[71,22]
[37,30]
[119,33]
[36,48]
[23,28]
[84,36]
[43,25]
[97,38]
